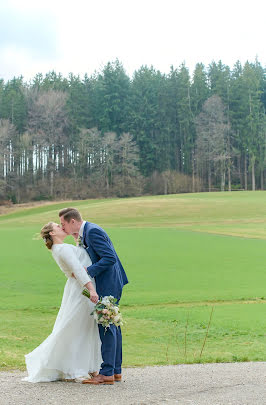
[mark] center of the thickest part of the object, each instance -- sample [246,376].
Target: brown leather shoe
[118,377]
[100,379]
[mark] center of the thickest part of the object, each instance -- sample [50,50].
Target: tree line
[111,135]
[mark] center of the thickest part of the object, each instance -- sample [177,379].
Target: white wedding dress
[73,349]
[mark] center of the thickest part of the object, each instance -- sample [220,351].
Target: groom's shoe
[100,379]
[118,377]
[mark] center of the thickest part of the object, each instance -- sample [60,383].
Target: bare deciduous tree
[7,136]
[47,122]
[213,152]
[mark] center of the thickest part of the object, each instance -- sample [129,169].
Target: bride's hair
[45,234]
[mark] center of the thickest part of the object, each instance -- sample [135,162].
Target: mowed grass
[184,255]
[238,214]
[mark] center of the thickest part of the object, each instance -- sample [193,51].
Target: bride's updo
[45,234]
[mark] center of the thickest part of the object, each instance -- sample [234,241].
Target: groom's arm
[103,249]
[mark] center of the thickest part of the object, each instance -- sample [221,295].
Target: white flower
[80,242]
[106,312]
[105,301]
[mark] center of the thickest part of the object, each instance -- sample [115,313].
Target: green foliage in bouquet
[106,311]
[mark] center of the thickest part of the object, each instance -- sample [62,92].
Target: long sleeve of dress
[71,264]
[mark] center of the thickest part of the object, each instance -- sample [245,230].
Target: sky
[81,36]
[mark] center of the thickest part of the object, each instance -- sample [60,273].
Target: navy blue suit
[110,278]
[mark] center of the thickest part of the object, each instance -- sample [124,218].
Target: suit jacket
[106,268]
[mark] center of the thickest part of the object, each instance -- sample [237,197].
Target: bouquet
[106,311]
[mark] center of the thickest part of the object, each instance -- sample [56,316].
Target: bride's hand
[94,297]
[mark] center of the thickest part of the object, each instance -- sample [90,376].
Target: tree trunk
[229,176]
[253,172]
[253,177]
[51,183]
[222,176]
[209,177]
[262,179]
[245,172]
[240,175]
[193,172]
[165,185]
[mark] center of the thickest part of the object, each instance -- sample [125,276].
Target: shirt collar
[81,229]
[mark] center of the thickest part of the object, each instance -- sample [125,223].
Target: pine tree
[199,89]
[110,92]
[146,122]
[185,118]
[14,106]
[254,116]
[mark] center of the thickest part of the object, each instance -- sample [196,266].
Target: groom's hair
[70,213]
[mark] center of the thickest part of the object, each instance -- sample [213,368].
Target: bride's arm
[94,297]
[72,263]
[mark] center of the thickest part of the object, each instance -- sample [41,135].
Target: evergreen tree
[110,92]
[254,116]
[104,130]
[175,158]
[199,93]
[238,113]
[54,81]
[78,106]
[2,85]
[14,107]
[185,118]
[199,89]
[146,125]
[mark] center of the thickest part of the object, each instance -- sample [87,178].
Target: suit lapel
[85,242]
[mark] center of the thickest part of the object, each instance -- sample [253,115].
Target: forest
[111,135]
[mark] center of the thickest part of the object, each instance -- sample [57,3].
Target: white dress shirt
[81,229]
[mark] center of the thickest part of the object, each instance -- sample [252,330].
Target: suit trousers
[111,339]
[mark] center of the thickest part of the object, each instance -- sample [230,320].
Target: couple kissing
[78,347]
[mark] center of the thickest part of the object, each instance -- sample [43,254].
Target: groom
[110,278]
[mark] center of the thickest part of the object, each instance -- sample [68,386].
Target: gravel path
[196,384]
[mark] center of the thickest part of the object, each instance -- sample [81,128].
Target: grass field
[185,255]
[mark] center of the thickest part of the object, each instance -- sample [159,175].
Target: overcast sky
[81,36]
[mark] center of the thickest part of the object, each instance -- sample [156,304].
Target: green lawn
[183,254]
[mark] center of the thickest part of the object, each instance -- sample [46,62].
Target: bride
[73,349]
